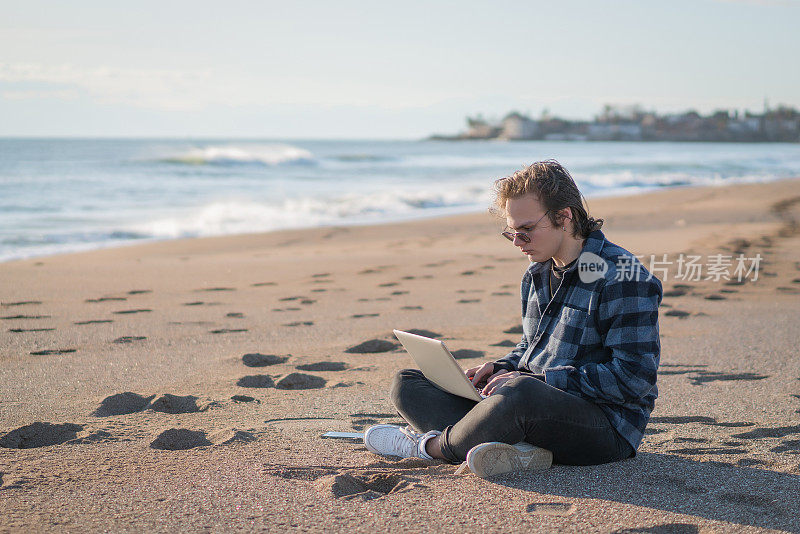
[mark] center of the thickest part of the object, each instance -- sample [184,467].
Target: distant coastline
[632,123]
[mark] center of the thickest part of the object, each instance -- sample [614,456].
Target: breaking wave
[237,216]
[243,154]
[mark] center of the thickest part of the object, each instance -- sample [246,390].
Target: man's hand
[497,381]
[481,374]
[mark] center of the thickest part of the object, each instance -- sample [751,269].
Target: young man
[580,386]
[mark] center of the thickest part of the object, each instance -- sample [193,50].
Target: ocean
[65,195]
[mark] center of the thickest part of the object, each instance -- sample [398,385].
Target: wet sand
[185,384]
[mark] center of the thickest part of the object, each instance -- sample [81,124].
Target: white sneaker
[393,440]
[495,458]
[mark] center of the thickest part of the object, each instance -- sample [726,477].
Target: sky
[363,70]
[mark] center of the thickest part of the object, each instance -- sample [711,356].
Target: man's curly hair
[554,187]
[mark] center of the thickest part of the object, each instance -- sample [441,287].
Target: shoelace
[400,442]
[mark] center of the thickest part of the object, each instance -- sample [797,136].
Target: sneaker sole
[490,459]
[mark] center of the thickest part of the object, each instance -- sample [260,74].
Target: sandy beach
[184,385]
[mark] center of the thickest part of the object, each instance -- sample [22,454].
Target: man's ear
[564,215]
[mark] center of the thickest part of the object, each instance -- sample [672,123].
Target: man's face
[522,214]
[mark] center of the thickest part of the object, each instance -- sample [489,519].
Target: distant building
[625,131]
[516,126]
[479,128]
[632,123]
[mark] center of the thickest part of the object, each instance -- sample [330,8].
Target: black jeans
[525,409]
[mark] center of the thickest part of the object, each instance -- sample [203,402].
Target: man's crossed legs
[525,409]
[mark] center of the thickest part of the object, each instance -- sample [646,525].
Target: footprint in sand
[107,299]
[128,339]
[320,275]
[19,303]
[372,346]
[411,307]
[235,315]
[319,290]
[195,303]
[775,432]
[256,381]
[300,323]
[40,434]
[178,439]
[227,330]
[263,284]
[680,314]
[19,330]
[363,486]
[504,343]
[709,450]
[300,381]
[360,424]
[287,299]
[516,329]
[702,419]
[784,289]
[502,294]
[468,301]
[122,403]
[290,308]
[213,289]
[713,376]
[256,359]
[48,352]
[735,282]
[307,302]
[139,291]
[683,419]
[174,404]
[323,366]
[792,446]
[244,398]
[94,321]
[362,315]
[10,317]
[129,312]
[467,273]
[715,296]
[679,292]
[395,293]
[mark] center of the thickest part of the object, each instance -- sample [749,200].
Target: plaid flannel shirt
[597,340]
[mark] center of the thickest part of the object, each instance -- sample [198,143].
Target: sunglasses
[525,236]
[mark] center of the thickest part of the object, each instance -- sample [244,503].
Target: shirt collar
[594,244]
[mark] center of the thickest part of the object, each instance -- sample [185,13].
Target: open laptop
[438,365]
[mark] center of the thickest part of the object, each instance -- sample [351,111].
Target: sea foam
[242,154]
